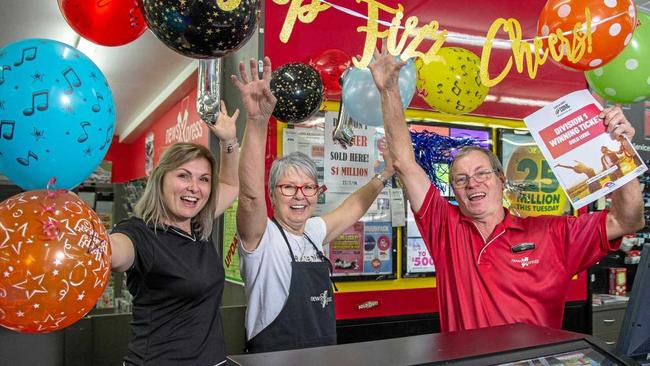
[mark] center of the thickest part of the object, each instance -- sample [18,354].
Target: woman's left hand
[225,128]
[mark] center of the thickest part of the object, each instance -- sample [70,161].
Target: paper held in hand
[587,162]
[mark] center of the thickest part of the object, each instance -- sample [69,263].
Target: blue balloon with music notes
[57,115]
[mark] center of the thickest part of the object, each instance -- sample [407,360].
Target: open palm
[385,69]
[255,93]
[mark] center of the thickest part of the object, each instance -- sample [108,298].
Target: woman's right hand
[255,93]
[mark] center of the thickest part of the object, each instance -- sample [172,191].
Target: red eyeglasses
[308,190]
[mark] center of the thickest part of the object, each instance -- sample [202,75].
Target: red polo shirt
[487,283]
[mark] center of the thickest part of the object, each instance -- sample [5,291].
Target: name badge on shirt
[522,247]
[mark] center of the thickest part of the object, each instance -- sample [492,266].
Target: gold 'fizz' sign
[557,43]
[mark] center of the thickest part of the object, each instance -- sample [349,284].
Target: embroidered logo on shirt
[525,261]
[322,298]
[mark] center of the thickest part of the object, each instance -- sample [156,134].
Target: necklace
[304,247]
[180,233]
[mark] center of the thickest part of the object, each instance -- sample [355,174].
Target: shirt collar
[509,221]
[512,222]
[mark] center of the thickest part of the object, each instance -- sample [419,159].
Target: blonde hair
[151,207]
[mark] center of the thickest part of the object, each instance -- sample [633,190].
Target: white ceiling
[145,76]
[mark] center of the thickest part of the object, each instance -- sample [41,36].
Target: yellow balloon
[452,84]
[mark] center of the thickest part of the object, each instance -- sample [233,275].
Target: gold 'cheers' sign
[557,43]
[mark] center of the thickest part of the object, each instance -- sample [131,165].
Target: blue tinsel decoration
[432,149]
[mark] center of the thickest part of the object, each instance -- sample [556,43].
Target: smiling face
[186,190]
[478,200]
[292,212]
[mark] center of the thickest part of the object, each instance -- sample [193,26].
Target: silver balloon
[209,90]
[343,133]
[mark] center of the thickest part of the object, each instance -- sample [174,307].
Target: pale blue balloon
[361,97]
[57,114]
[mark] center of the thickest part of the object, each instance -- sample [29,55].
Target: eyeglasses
[308,190]
[461,180]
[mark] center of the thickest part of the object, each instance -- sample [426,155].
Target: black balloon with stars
[299,91]
[202,28]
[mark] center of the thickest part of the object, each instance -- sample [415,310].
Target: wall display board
[433,142]
[366,250]
[532,189]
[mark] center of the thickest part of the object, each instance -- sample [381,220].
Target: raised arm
[227,183]
[385,72]
[626,211]
[259,103]
[356,204]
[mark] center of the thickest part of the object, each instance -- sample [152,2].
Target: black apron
[307,318]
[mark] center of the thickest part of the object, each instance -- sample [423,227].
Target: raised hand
[385,69]
[616,123]
[255,93]
[225,126]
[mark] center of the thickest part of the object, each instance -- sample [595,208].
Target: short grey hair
[494,161]
[295,160]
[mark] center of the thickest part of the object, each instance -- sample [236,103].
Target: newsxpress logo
[182,131]
[525,261]
[322,298]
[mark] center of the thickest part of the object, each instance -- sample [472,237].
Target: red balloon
[55,260]
[330,65]
[105,22]
[612,25]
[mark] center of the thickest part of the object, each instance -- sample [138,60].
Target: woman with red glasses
[286,275]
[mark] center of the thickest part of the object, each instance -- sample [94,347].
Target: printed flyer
[346,251]
[230,242]
[418,259]
[378,248]
[532,188]
[587,162]
[348,169]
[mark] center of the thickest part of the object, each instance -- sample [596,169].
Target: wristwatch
[382,179]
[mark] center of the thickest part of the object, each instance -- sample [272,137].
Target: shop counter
[514,345]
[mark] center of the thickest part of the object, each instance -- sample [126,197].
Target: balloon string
[459,37]
[452,36]
[356,14]
[51,192]
[50,228]
[595,24]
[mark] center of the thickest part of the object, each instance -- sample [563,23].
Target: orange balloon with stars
[55,260]
[612,25]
